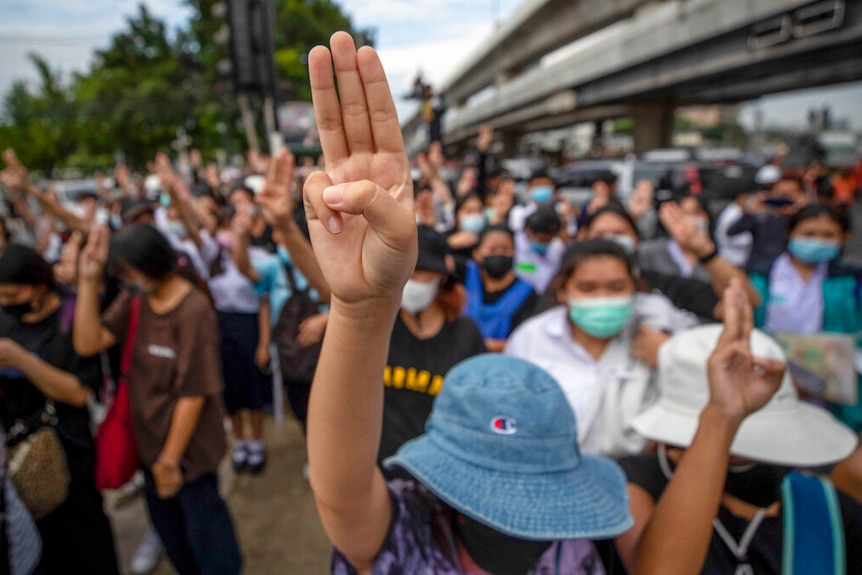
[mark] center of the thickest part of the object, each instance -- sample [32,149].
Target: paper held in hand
[822,364]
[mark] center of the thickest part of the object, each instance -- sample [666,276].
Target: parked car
[718,174]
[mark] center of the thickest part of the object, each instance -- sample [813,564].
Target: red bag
[116,452]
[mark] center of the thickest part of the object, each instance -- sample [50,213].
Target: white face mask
[418,296]
[626,242]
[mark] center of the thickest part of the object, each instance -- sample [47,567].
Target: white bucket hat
[786,431]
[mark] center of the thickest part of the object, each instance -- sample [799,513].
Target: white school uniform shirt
[605,393]
[232,291]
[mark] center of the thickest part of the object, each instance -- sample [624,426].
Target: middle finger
[354,107]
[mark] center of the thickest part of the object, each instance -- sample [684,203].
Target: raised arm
[239,251]
[677,534]
[721,271]
[180,197]
[89,336]
[15,177]
[278,205]
[360,216]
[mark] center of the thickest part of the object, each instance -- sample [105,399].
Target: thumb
[380,208]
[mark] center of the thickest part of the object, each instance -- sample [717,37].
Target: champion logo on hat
[504,425]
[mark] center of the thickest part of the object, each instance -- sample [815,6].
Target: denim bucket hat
[501,447]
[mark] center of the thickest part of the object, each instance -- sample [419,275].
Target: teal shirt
[842,313]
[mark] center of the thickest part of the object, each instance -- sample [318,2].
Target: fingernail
[333,194]
[334,223]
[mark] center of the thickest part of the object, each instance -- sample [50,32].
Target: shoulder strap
[813,527]
[291,279]
[131,332]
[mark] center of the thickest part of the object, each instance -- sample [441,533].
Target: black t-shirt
[767,544]
[414,376]
[689,294]
[531,306]
[265,240]
[51,340]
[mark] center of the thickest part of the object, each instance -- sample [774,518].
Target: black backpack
[296,362]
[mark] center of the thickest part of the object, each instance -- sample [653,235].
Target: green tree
[138,92]
[149,82]
[40,124]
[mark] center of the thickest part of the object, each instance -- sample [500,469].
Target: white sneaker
[147,555]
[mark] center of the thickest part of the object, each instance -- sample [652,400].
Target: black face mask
[759,486]
[497,266]
[497,553]
[18,310]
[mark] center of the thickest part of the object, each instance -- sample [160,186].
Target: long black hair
[144,248]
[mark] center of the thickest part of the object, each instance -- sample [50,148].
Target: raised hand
[740,384]
[641,199]
[163,168]
[14,176]
[689,237]
[94,256]
[360,210]
[275,197]
[486,136]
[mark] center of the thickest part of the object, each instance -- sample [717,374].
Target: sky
[431,36]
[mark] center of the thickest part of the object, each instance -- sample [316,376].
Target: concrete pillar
[653,125]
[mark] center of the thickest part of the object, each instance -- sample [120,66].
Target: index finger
[327,110]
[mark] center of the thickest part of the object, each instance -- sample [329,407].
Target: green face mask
[601,317]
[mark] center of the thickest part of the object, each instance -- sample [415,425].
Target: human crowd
[488,382]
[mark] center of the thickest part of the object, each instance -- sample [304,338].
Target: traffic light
[249,35]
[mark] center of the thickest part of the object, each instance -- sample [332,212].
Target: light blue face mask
[539,248]
[814,251]
[601,317]
[473,223]
[177,228]
[542,194]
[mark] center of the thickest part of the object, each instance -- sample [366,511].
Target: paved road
[274,514]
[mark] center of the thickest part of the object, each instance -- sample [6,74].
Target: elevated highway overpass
[656,56]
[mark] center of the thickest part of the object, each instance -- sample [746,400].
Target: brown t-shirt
[175,355]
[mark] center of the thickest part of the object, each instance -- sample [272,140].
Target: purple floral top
[418,542]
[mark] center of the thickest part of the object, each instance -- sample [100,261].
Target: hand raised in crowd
[14,176]
[311,330]
[259,163]
[66,269]
[121,176]
[641,199]
[425,168]
[486,136]
[171,181]
[435,156]
[94,256]
[360,210]
[275,197]
[739,383]
[689,237]
[466,182]
[424,206]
